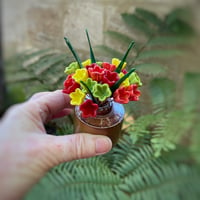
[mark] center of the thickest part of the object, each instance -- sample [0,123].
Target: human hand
[27,152]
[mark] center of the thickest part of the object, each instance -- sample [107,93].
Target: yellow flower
[80,75]
[77,97]
[126,82]
[86,62]
[116,62]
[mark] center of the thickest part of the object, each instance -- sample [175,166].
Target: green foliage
[191,93]
[127,172]
[162,92]
[151,69]
[35,71]
[136,22]
[168,125]
[164,38]
[158,54]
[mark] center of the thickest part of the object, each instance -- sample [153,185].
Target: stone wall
[42,24]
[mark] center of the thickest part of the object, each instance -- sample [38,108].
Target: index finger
[50,104]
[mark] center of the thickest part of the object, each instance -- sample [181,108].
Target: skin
[27,152]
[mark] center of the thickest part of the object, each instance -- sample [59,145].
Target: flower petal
[70,85]
[116,62]
[102,91]
[71,68]
[77,97]
[88,108]
[80,75]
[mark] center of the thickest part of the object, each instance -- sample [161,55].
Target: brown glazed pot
[108,121]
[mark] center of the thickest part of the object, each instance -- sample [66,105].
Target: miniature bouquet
[91,83]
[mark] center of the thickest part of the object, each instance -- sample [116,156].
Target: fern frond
[168,41]
[151,68]
[108,52]
[137,23]
[191,100]
[82,179]
[141,127]
[36,71]
[162,53]
[170,129]
[149,16]
[163,182]
[162,92]
[120,37]
[128,172]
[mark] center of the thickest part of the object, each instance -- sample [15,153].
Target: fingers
[63,113]
[77,146]
[49,104]
[38,95]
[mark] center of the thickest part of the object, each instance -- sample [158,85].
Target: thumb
[77,146]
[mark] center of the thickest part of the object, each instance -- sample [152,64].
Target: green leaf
[86,87]
[137,23]
[177,13]
[73,52]
[119,37]
[118,83]
[149,16]
[108,52]
[151,68]
[191,99]
[162,53]
[92,57]
[119,68]
[170,129]
[162,91]
[168,40]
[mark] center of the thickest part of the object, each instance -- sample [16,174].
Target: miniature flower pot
[108,121]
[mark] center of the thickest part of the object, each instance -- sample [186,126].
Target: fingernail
[103,145]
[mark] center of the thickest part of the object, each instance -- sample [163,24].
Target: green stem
[119,68]
[73,52]
[93,99]
[119,82]
[93,60]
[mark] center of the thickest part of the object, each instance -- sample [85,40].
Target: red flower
[109,66]
[110,77]
[122,95]
[124,71]
[96,73]
[91,66]
[89,108]
[135,93]
[70,85]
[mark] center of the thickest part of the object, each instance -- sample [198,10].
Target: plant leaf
[162,53]
[168,40]
[92,57]
[149,16]
[109,52]
[118,69]
[120,37]
[134,21]
[151,68]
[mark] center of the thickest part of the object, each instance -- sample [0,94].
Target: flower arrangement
[90,83]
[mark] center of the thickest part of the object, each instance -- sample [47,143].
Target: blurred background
[31,25]
[166,56]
